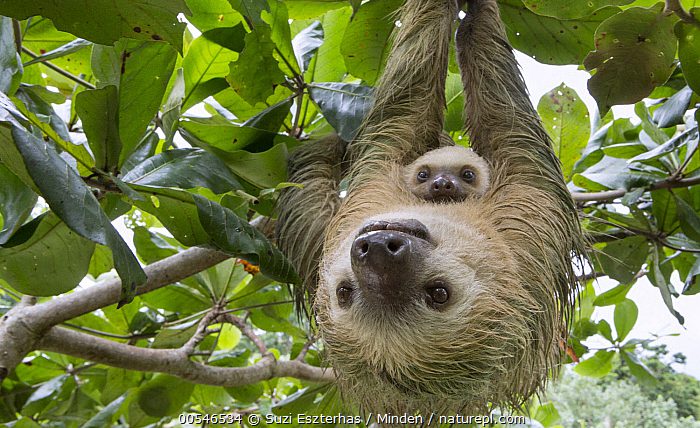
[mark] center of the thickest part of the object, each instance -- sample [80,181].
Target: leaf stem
[59,70]
[675,7]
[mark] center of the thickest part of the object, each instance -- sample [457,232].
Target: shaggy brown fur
[448,174]
[438,307]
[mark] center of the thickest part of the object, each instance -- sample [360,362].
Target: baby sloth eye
[468,175]
[423,176]
[344,295]
[437,296]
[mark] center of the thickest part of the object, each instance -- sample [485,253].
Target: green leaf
[171,109]
[205,66]
[689,51]
[344,105]
[164,395]
[692,282]
[672,111]
[596,366]
[669,146]
[638,369]
[635,52]
[99,113]
[141,71]
[622,259]
[278,20]
[570,9]
[614,295]
[366,43]
[454,93]
[551,40]
[10,62]
[306,43]
[233,235]
[660,278]
[63,50]
[547,414]
[107,21]
[665,210]
[329,65]
[210,14]
[604,330]
[272,118]
[185,169]
[565,117]
[16,203]
[648,126]
[256,73]
[625,316]
[105,416]
[75,204]
[689,219]
[212,134]
[45,257]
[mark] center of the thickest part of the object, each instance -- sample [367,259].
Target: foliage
[121,113]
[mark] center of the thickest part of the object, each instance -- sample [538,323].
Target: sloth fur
[504,260]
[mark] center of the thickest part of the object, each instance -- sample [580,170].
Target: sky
[654,318]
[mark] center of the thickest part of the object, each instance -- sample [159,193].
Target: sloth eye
[344,295]
[468,175]
[422,176]
[437,296]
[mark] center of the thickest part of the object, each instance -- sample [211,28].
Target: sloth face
[411,298]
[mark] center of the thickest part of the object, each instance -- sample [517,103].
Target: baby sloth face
[448,174]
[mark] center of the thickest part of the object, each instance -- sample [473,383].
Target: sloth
[447,174]
[436,307]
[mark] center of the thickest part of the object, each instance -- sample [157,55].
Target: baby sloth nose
[443,188]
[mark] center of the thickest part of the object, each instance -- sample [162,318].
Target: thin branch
[305,348]
[59,70]
[175,362]
[689,157]
[247,332]
[201,331]
[675,6]
[112,335]
[610,195]
[17,29]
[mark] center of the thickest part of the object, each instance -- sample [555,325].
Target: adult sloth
[437,307]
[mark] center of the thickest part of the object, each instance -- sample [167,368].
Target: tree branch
[23,325]
[610,195]
[675,6]
[175,362]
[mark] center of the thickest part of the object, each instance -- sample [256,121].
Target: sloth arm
[531,205]
[502,123]
[304,213]
[406,118]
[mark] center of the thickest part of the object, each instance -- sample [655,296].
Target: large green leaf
[621,260]
[99,113]
[141,71]
[570,9]
[16,203]
[551,40]
[596,366]
[329,65]
[74,203]
[278,20]
[306,43]
[256,73]
[10,63]
[106,21]
[625,316]
[660,276]
[344,105]
[689,51]
[45,257]
[186,169]
[209,14]
[163,395]
[565,117]
[454,93]
[689,219]
[635,52]
[233,235]
[366,43]
[672,111]
[205,66]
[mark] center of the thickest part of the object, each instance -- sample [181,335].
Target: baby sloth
[448,174]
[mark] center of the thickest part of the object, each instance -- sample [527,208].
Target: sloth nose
[442,187]
[381,246]
[381,261]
